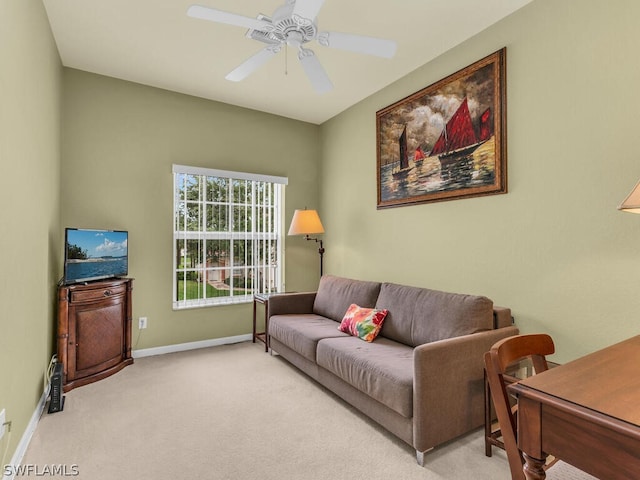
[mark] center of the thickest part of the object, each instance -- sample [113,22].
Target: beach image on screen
[93,254]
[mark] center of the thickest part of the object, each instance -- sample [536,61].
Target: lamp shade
[632,202]
[305,222]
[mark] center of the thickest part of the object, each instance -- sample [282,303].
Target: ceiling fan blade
[252,63]
[358,43]
[213,15]
[307,8]
[314,70]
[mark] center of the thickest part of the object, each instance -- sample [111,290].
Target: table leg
[266,327]
[487,417]
[254,320]
[533,468]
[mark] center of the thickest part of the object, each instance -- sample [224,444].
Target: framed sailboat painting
[446,141]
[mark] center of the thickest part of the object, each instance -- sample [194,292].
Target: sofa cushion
[364,323]
[382,369]
[302,332]
[335,294]
[419,315]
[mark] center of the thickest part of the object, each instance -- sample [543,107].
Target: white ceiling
[154,42]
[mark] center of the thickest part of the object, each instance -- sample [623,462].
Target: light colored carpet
[234,412]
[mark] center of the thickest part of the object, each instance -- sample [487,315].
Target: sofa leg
[420,456]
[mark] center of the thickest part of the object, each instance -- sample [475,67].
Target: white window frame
[267,267]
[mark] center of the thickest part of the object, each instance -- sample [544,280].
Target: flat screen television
[91,255]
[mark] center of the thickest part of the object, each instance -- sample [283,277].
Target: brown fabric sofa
[421,378]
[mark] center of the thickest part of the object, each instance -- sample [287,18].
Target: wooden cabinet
[94,330]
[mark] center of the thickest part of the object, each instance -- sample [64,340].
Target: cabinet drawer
[97,293]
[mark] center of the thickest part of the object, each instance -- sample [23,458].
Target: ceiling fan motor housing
[287,28]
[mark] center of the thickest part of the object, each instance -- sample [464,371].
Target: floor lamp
[307,222]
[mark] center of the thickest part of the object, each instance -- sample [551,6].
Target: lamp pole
[320,251]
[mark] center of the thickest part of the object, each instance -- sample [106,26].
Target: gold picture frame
[446,141]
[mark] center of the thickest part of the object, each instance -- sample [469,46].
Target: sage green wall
[119,142]
[30,89]
[554,249]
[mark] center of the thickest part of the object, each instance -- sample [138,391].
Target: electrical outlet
[142,323]
[2,423]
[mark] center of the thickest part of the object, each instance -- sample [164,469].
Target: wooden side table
[262,298]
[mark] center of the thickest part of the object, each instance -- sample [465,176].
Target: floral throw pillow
[361,322]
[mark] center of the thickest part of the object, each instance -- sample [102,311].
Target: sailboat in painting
[458,141]
[404,167]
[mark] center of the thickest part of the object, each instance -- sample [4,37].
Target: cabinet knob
[107,293]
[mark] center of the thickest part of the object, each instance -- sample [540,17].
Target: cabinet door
[96,336]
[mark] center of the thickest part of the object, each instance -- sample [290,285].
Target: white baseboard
[21,449]
[146,352]
[181,347]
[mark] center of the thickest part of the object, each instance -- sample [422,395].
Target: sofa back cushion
[336,294]
[419,315]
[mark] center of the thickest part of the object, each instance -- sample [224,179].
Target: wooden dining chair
[504,353]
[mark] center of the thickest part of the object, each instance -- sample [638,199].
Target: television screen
[94,255]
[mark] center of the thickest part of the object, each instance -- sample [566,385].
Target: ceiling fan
[293,24]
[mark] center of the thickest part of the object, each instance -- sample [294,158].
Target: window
[227,236]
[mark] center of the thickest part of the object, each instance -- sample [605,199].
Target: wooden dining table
[585,412]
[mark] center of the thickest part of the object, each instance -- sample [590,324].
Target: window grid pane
[227,239]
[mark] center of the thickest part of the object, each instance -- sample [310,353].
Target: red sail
[458,133]
[486,126]
[418,155]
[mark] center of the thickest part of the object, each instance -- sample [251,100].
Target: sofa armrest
[502,317]
[288,303]
[448,386]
